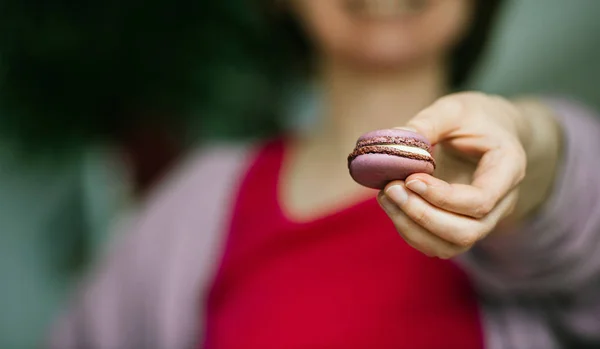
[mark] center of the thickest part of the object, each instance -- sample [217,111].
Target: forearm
[555,246]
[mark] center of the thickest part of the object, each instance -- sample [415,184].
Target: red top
[346,280]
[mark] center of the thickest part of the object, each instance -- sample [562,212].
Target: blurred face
[383,33]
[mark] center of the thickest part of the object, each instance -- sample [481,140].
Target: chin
[388,58]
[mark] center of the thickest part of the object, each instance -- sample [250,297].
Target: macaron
[386,155]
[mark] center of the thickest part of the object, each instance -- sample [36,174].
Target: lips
[385,8]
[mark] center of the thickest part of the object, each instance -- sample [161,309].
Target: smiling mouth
[385,8]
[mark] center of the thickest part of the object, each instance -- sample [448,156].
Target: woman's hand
[485,145]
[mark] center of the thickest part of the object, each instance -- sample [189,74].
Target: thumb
[438,121]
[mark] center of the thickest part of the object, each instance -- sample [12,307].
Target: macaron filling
[382,156]
[407,149]
[394,146]
[390,140]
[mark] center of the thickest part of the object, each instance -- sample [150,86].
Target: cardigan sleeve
[146,292]
[555,254]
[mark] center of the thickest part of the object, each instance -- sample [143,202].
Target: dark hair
[468,52]
[464,58]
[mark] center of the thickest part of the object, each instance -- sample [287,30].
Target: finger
[439,120]
[504,208]
[462,199]
[456,229]
[500,170]
[416,236]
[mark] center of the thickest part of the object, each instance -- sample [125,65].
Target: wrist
[541,137]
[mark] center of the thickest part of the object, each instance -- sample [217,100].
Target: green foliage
[75,71]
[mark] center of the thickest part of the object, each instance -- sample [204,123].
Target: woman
[276,247]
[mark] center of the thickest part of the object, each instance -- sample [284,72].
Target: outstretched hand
[481,145]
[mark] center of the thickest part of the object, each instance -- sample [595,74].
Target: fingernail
[387,205]
[397,194]
[407,128]
[417,186]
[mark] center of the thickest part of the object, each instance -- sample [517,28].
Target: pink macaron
[386,155]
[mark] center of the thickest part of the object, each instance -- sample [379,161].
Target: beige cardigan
[149,291]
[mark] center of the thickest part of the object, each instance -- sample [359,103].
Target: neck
[359,101]
[315,176]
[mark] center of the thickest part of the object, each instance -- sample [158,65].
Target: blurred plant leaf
[73,72]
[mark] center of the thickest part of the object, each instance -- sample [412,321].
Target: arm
[147,292]
[555,248]
[105,310]
[542,243]
[556,244]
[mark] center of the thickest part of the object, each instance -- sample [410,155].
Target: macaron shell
[377,170]
[393,132]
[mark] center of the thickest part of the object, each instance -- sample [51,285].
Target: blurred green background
[56,211]
[545,46]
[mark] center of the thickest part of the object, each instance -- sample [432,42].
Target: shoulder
[161,260]
[195,192]
[201,174]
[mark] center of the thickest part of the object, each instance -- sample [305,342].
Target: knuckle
[503,103]
[455,104]
[404,237]
[446,254]
[468,97]
[422,217]
[518,149]
[441,199]
[519,157]
[399,225]
[485,227]
[522,169]
[422,122]
[475,94]
[412,242]
[416,243]
[496,97]
[426,250]
[511,208]
[483,209]
[468,239]
[521,174]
